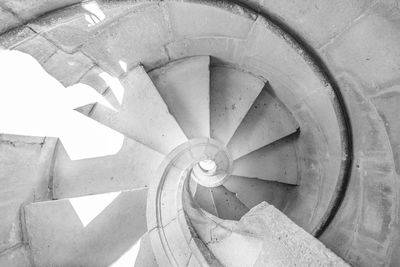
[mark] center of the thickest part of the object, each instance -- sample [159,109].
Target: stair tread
[145,256]
[228,206]
[143,115]
[275,162]
[252,191]
[60,228]
[267,121]
[205,199]
[185,87]
[232,94]
[132,167]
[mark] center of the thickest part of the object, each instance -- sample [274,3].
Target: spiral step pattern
[304,116]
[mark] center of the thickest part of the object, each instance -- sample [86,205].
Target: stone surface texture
[263,237]
[356,42]
[275,162]
[232,93]
[29,182]
[143,115]
[267,121]
[133,167]
[181,95]
[16,257]
[58,237]
[7,20]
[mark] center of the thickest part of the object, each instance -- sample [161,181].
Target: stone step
[274,162]
[185,87]
[267,121]
[228,206]
[267,237]
[143,115]
[132,167]
[25,170]
[252,192]
[145,256]
[86,231]
[232,94]
[15,257]
[237,250]
[205,199]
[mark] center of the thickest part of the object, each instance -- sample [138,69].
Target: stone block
[35,8]
[145,256]
[17,257]
[66,68]
[316,21]
[15,36]
[370,212]
[76,24]
[232,93]
[189,19]
[275,162]
[60,235]
[237,250]
[283,60]
[25,164]
[366,220]
[143,115]
[177,243]
[38,47]
[132,167]
[369,51]
[67,28]
[138,37]
[222,48]
[204,199]
[327,117]
[169,199]
[267,121]
[283,242]
[388,108]
[252,192]
[159,252]
[185,84]
[7,20]
[365,119]
[228,206]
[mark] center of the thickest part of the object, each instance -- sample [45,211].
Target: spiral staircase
[256,133]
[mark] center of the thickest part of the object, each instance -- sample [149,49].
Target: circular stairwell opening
[208,166]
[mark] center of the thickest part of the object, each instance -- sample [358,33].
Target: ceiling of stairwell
[303,170]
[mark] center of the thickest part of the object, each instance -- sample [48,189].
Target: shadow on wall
[34,103]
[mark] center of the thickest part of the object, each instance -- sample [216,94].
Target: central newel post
[175,243]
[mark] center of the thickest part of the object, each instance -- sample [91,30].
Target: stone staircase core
[199,133]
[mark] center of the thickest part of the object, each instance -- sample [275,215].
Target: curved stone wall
[358,43]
